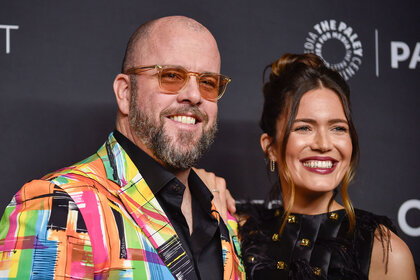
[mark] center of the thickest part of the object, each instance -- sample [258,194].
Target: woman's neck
[312,204]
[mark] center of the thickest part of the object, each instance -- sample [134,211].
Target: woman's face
[319,148]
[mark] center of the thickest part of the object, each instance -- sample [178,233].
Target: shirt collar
[155,175]
[199,190]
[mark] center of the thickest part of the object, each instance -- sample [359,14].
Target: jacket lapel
[144,208]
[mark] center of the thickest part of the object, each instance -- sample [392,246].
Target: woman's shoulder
[391,258]
[398,261]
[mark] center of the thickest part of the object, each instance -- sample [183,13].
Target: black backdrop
[58,60]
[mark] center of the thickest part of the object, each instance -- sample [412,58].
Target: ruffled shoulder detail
[369,221]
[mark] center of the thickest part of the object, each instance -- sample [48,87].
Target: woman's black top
[311,246]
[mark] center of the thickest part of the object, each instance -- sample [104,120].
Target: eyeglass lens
[211,86]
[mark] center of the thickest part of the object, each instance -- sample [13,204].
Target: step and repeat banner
[58,60]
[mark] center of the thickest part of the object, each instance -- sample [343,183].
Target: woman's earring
[272,165]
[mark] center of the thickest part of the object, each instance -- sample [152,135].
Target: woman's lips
[320,165]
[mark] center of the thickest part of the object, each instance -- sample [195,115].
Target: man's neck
[182,174]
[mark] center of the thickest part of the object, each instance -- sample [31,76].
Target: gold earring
[272,165]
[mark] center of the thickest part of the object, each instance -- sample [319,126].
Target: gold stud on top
[304,242]
[281,265]
[275,237]
[291,219]
[333,216]
[317,271]
[251,259]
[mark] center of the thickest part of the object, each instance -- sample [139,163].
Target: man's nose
[191,91]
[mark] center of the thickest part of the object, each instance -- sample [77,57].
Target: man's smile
[184,119]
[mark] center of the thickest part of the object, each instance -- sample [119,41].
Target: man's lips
[319,164]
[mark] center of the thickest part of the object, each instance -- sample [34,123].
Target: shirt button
[176,188]
[251,259]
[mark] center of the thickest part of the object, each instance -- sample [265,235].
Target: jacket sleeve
[43,235]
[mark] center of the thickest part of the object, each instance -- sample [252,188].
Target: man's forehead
[185,47]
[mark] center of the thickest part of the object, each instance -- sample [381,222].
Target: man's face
[177,128]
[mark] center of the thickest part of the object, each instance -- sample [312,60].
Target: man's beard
[179,152]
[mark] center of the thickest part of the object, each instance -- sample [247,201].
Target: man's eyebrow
[312,121]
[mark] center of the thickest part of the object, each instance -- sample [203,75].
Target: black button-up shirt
[203,246]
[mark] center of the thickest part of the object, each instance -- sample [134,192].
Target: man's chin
[179,159]
[183,149]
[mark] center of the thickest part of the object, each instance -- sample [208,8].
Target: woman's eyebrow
[333,121]
[312,121]
[305,120]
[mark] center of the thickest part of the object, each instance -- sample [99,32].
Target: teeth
[184,119]
[318,164]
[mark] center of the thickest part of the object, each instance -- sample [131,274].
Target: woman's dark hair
[292,75]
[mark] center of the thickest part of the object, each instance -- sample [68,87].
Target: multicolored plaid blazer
[97,219]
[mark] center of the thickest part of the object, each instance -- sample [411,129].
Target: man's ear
[122,92]
[268,147]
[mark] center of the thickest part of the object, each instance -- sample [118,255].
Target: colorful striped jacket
[97,219]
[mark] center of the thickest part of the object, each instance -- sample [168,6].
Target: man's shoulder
[85,173]
[91,168]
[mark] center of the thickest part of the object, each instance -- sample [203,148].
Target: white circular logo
[402,213]
[337,44]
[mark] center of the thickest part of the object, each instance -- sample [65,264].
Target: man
[135,209]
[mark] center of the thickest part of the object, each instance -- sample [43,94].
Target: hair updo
[291,76]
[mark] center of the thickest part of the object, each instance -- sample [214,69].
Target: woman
[311,143]
[309,139]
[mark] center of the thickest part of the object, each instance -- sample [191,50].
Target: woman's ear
[267,146]
[122,92]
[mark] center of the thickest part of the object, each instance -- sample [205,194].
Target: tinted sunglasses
[172,79]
